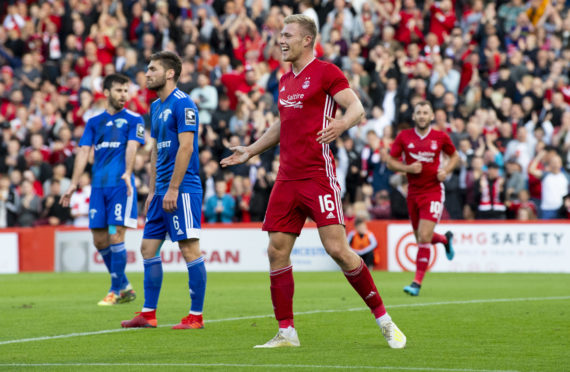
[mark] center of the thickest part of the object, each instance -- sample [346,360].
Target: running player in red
[420,148]
[306,184]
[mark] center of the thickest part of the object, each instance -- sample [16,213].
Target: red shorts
[425,206]
[291,202]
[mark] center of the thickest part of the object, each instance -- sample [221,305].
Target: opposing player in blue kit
[115,135]
[174,202]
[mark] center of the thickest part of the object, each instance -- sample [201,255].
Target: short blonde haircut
[306,23]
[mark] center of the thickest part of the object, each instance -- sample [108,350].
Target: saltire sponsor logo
[425,157]
[292,104]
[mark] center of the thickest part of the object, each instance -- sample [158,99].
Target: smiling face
[297,38]
[292,41]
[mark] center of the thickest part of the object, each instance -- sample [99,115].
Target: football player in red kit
[420,148]
[306,184]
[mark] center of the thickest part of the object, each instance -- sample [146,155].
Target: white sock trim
[147,309]
[384,318]
[194,312]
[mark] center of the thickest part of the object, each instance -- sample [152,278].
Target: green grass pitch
[460,322]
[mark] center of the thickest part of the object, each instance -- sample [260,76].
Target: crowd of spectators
[497,74]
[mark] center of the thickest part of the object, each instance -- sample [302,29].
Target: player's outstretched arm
[243,153]
[78,168]
[354,113]
[132,147]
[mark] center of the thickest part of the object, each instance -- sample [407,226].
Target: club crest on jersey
[433,145]
[120,122]
[164,115]
[307,83]
[189,116]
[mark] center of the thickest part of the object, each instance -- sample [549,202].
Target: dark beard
[422,128]
[115,104]
[158,86]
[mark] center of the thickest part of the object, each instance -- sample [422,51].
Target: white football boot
[286,337]
[395,338]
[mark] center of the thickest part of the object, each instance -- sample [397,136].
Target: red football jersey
[427,150]
[304,100]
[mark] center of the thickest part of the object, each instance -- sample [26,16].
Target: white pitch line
[213,365]
[481,301]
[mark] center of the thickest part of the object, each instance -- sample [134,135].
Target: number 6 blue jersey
[109,135]
[175,115]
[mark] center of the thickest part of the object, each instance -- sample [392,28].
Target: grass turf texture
[522,335]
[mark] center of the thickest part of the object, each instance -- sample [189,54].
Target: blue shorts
[183,224]
[111,206]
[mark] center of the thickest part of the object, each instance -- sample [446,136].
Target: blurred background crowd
[496,72]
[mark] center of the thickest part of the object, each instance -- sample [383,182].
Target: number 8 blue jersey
[109,135]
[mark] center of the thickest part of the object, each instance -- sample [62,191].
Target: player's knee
[275,253]
[118,236]
[424,237]
[100,242]
[148,251]
[337,252]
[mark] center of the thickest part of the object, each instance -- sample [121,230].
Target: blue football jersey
[109,135]
[176,114]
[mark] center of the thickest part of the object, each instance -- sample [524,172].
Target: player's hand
[240,155]
[127,179]
[441,175]
[415,167]
[147,203]
[65,198]
[170,200]
[332,131]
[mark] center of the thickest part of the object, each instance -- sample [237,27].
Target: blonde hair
[306,23]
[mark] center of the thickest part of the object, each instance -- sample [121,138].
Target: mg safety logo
[407,250]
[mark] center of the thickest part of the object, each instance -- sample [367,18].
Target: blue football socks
[118,264]
[106,255]
[152,281]
[197,284]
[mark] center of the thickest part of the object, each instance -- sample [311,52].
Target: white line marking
[391,368]
[481,301]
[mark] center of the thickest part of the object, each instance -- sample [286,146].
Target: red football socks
[438,238]
[282,289]
[362,282]
[422,261]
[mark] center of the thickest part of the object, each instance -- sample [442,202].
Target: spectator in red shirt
[410,21]
[442,19]
[37,143]
[244,82]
